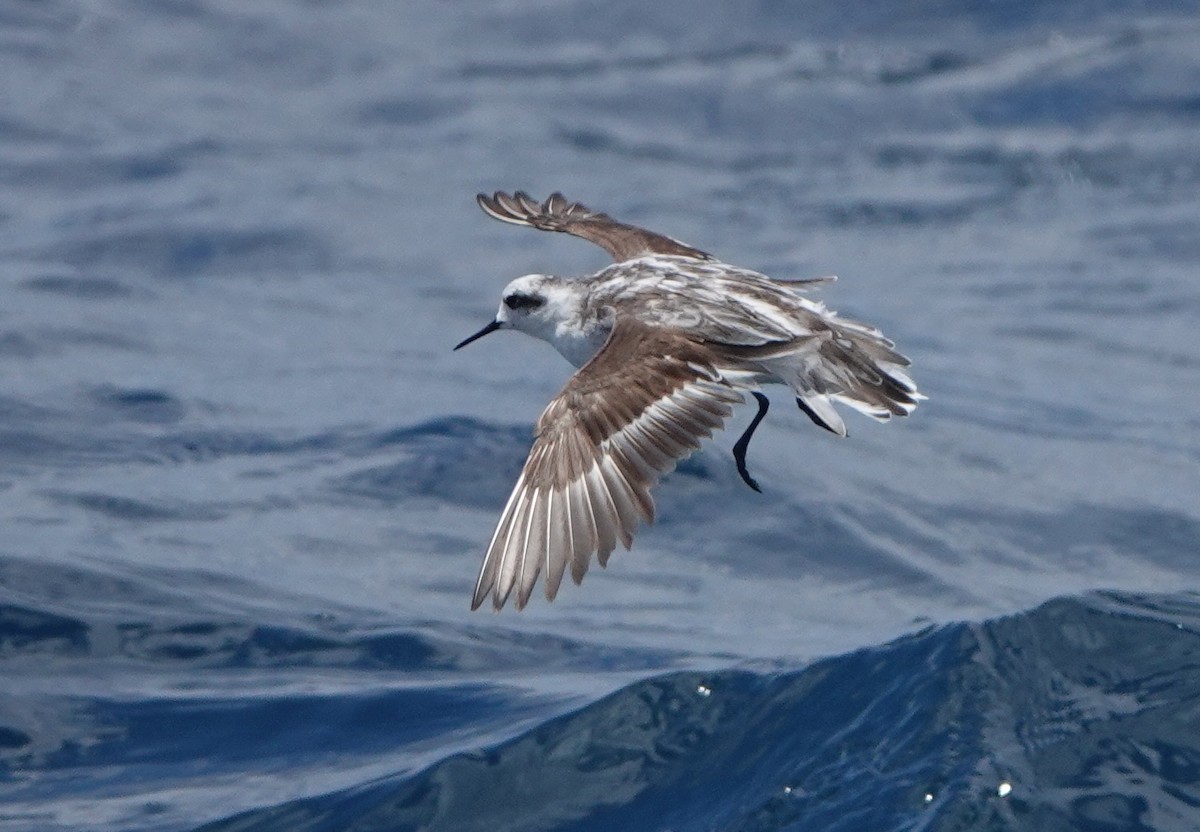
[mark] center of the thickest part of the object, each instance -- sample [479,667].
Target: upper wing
[627,416]
[623,242]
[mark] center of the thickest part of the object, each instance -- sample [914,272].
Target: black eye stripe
[520,301]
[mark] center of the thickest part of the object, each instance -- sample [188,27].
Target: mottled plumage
[666,339]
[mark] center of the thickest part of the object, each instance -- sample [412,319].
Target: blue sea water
[245,485]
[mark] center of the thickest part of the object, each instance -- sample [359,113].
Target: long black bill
[492,327]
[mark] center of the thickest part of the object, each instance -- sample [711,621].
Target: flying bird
[666,341]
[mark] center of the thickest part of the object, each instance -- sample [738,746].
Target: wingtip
[500,206]
[800,283]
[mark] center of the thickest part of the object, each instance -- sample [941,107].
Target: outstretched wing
[626,417]
[557,213]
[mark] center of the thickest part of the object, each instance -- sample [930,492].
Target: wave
[1075,715]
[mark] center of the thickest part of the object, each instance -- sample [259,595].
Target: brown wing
[627,416]
[557,213]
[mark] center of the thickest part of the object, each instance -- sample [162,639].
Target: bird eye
[519,301]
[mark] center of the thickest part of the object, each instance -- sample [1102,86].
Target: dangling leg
[739,447]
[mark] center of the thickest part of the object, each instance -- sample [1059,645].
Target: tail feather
[850,364]
[820,409]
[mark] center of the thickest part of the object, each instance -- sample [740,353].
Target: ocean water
[245,485]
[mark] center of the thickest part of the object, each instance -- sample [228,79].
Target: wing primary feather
[513,546]
[536,543]
[487,573]
[623,501]
[560,541]
[603,512]
[582,555]
[518,554]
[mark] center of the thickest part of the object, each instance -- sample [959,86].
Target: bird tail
[849,363]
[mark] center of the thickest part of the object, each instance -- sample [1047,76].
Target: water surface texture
[245,484]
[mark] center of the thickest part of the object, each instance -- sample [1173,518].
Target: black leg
[739,447]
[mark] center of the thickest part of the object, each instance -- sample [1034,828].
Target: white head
[536,304]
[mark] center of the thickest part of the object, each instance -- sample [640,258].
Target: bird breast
[578,343]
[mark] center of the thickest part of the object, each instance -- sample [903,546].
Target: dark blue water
[245,485]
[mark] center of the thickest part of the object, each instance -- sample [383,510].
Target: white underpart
[576,344]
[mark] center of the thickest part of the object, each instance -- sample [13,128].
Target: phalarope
[666,340]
